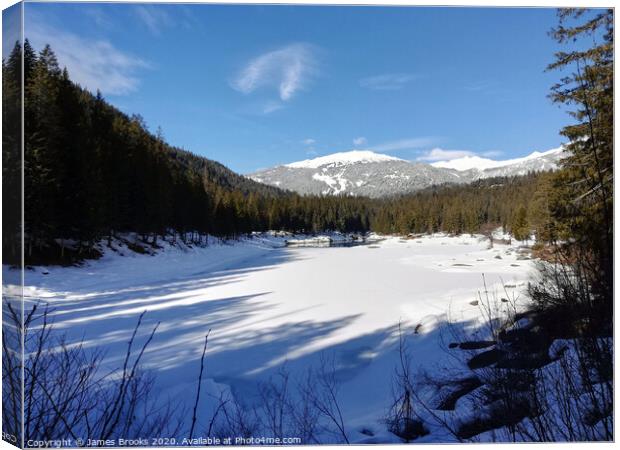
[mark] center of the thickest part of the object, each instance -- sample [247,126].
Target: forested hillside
[519,204]
[92,171]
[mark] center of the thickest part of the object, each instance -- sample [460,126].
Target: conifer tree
[520,226]
[11,154]
[582,203]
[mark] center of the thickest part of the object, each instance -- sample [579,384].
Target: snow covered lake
[268,305]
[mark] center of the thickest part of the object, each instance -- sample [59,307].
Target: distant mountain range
[365,173]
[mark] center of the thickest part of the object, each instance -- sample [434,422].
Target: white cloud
[157,17]
[272,106]
[94,64]
[360,141]
[289,69]
[405,144]
[100,18]
[439,154]
[492,153]
[154,17]
[308,141]
[387,81]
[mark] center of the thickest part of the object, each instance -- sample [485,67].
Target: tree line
[91,172]
[517,204]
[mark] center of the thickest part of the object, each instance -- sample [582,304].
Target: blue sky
[255,86]
[11,28]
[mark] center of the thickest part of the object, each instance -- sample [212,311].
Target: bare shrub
[67,394]
[549,376]
[286,408]
[238,420]
[401,418]
[322,394]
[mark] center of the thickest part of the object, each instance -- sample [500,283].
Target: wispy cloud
[482,86]
[406,144]
[439,154]
[309,147]
[492,153]
[492,89]
[94,64]
[387,81]
[154,17]
[99,17]
[272,106]
[289,69]
[360,141]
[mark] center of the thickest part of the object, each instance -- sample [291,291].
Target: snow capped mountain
[365,173]
[358,172]
[476,162]
[342,159]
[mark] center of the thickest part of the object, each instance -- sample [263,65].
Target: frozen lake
[267,305]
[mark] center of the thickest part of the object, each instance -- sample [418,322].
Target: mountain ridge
[366,173]
[471,162]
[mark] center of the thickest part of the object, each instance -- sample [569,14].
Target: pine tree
[11,154]
[582,204]
[520,226]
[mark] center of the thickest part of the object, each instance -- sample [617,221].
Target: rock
[524,315]
[408,429]
[485,359]
[474,303]
[523,362]
[453,345]
[498,256]
[476,345]
[459,389]
[526,340]
[497,416]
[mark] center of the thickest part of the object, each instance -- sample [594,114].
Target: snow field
[269,305]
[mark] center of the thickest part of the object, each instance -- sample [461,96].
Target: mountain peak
[476,162]
[342,158]
[366,173]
